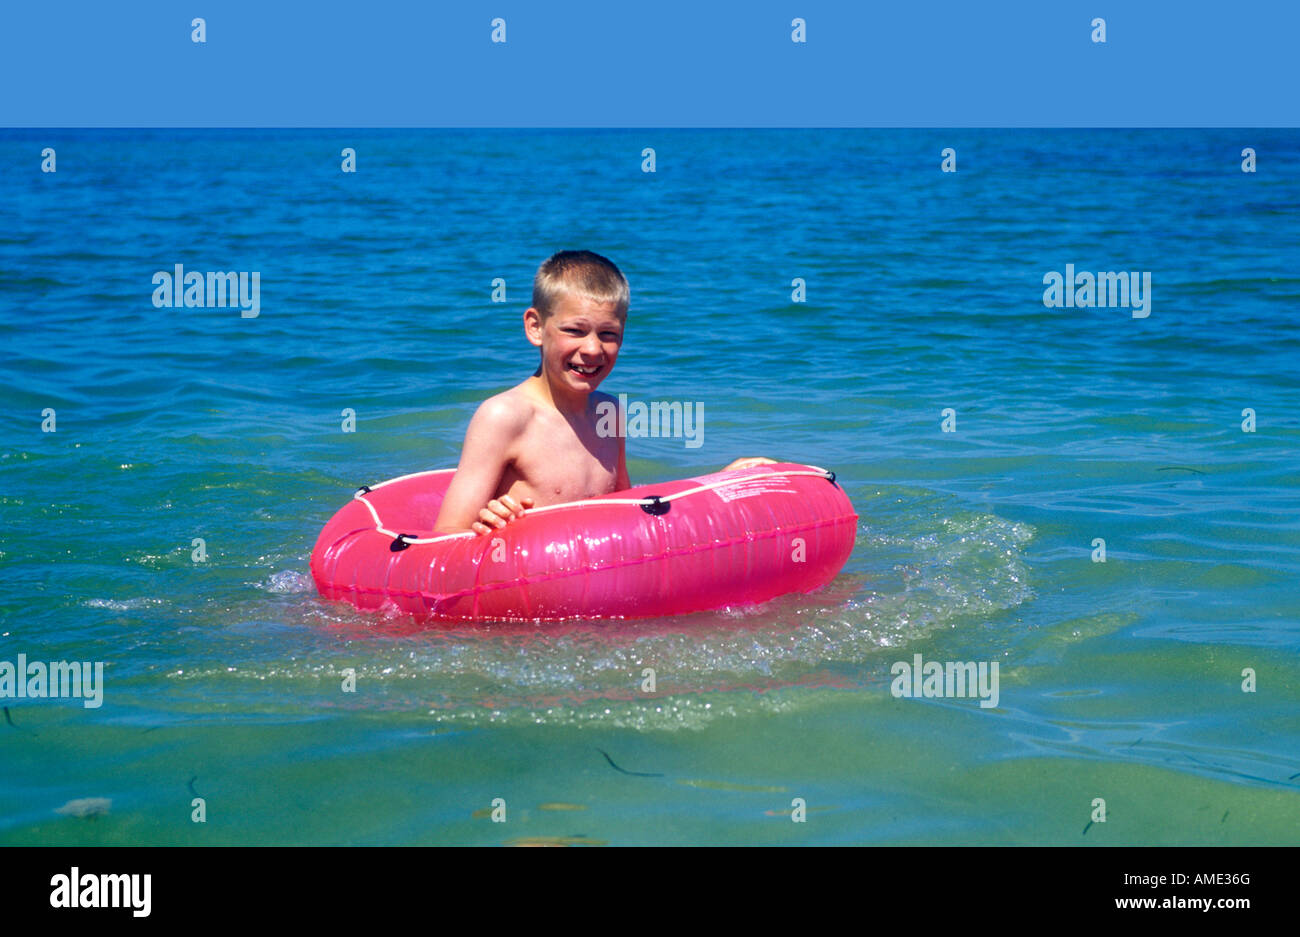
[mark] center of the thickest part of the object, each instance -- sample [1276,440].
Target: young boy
[537,444]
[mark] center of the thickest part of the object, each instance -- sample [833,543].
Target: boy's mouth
[591,371]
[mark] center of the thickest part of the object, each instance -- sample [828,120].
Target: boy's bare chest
[560,464]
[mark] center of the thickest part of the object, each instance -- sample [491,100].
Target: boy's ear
[533,326]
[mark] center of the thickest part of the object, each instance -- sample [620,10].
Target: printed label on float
[752,487]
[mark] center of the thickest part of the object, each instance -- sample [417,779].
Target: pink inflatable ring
[726,539]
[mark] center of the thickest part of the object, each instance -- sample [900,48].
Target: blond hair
[580,273]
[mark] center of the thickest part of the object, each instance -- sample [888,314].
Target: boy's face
[579,342]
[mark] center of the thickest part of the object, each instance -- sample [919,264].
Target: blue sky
[706,63]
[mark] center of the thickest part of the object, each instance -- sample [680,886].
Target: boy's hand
[749,462]
[499,512]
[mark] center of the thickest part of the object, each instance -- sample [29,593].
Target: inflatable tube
[730,538]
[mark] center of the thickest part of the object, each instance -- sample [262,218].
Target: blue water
[1120,680]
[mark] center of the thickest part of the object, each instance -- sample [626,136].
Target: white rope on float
[588,502]
[406,538]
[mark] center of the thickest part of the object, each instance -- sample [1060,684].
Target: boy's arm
[488,449]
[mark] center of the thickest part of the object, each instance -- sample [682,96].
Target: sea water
[1074,494]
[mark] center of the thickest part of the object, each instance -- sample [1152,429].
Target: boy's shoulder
[510,409]
[522,401]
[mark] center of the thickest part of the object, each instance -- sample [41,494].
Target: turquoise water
[223,679]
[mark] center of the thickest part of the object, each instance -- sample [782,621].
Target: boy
[536,444]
